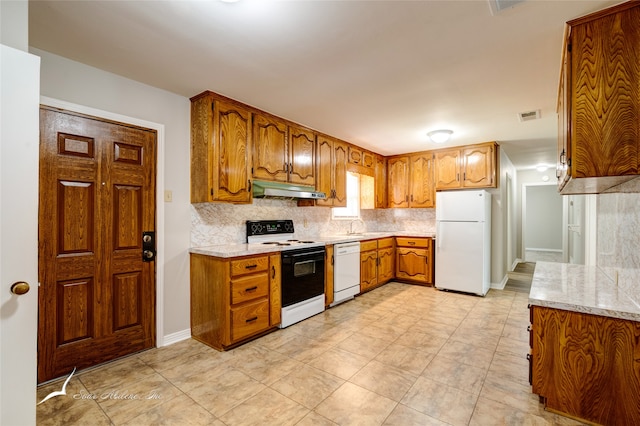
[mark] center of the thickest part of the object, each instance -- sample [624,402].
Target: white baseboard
[500,285]
[543,249]
[515,263]
[176,337]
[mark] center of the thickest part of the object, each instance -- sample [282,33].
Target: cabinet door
[447,169]
[381,182]
[386,264]
[605,95]
[564,111]
[398,182]
[355,154]
[302,154]
[231,153]
[275,301]
[324,166]
[413,264]
[340,174]
[328,275]
[269,149]
[422,190]
[368,269]
[479,166]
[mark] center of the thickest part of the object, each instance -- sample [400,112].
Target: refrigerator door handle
[439,235]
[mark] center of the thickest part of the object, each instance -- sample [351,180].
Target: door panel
[97,197]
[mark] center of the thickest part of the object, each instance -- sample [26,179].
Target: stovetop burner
[275,233]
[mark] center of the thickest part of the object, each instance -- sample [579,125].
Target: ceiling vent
[529,115]
[498,6]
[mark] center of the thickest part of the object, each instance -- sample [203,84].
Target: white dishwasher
[346,271]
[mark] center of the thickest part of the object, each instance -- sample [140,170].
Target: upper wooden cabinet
[283,153]
[381,182]
[471,166]
[410,181]
[302,154]
[599,101]
[220,150]
[270,160]
[422,192]
[331,163]
[398,181]
[361,157]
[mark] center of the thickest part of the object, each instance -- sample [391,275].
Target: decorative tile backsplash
[618,239]
[222,223]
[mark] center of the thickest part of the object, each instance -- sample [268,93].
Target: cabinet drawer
[385,243]
[413,242]
[249,319]
[249,265]
[368,245]
[249,287]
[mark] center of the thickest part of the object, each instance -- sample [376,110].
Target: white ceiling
[380,74]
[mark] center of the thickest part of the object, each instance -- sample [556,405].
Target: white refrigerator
[463,241]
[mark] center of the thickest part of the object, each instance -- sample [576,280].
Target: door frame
[590,229]
[160,157]
[523,216]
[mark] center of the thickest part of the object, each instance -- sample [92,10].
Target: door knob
[20,288]
[147,254]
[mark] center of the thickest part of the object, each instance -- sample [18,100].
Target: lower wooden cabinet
[414,260]
[328,275]
[233,300]
[586,366]
[376,263]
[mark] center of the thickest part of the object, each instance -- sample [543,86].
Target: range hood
[263,189]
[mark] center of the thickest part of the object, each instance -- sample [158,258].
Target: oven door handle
[322,252]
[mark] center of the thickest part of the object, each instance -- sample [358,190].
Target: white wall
[80,84]
[543,216]
[501,201]
[14,24]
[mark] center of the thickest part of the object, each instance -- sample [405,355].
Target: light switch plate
[168,196]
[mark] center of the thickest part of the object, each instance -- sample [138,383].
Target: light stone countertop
[236,250]
[580,288]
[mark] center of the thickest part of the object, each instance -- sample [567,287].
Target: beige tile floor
[399,355]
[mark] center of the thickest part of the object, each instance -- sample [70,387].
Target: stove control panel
[269,227]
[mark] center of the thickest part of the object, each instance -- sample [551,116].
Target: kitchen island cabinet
[220,150]
[585,344]
[234,299]
[598,102]
[414,260]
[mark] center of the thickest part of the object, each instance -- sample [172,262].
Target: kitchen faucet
[351,225]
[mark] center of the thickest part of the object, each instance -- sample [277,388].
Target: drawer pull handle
[255,287]
[251,319]
[251,266]
[412,243]
[273,272]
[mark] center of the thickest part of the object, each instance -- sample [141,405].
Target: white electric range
[302,274]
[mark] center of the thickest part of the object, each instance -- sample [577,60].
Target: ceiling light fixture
[440,136]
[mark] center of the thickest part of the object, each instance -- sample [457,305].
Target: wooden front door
[97,197]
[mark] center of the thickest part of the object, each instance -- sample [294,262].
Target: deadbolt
[20,288]
[148,246]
